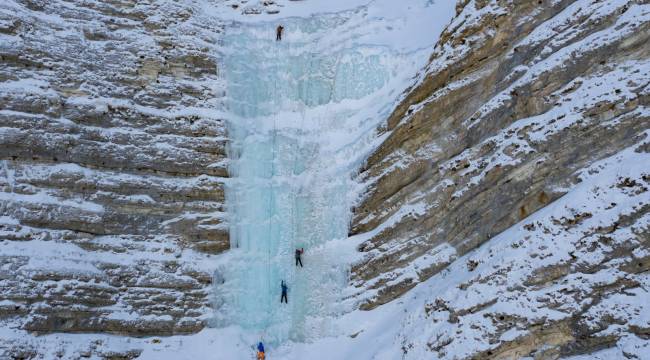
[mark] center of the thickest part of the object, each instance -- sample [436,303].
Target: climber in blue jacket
[284,293]
[260,351]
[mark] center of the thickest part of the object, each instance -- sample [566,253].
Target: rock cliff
[108,145]
[525,106]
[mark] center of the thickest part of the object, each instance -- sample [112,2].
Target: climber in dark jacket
[284,293]
[278,33]
[299,252]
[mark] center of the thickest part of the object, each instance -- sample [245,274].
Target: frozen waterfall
[302,114]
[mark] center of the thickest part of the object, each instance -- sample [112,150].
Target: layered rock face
[525,105]
[112,166]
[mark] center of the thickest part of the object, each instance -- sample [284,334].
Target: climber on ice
[284,293]
[260,351]
[299,252]
[278,33]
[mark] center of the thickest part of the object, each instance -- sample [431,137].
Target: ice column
[287,101]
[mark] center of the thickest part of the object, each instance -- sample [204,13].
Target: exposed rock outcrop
[518,97]
[112,164]
[520,101]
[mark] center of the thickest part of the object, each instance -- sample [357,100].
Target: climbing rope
[270,208]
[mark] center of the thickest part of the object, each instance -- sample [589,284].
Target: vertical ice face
[301,116]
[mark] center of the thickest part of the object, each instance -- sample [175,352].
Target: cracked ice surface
[302,114]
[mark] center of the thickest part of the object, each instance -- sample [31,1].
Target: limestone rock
[112,165]
[511,106]
[523,106]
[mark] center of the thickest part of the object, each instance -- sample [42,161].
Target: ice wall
[302,114]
